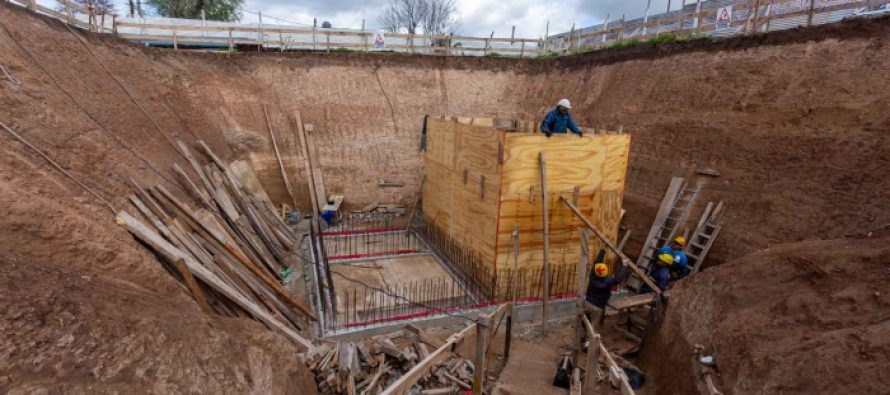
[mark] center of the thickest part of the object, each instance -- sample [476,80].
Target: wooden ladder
[676,206]
[703,238]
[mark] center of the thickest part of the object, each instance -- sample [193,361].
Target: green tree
[216,10]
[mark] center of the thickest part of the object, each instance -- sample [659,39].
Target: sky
[477,17]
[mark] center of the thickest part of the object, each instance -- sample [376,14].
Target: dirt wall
[801,318]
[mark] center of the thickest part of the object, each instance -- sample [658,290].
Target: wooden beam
[304,150]
[172,254]
[404,383]
[624,259]
[582,288]
[483,327]
[290,190]
[593,356]
[235,251]
[192,285]
[546,219]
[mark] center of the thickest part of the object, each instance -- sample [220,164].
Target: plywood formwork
[483,180]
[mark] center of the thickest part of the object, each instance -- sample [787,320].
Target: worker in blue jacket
[559,119]
[670,261]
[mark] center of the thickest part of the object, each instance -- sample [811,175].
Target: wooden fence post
[69,12]
[175,43]
[483,324]
[262,34]
[756,17]
[810,12]
[605,29]
[327,41]
[621,32]
[231,43]
[32,5]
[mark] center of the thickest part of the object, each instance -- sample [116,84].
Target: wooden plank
[593,353]
[290,190]
[483,327]
[624,259]
[192,285]
[583,272]
[627,302]
[172,254]
[235,251]
[404,383]
[316,200]
[546,228]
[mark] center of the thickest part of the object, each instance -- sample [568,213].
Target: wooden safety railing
[748,17]
[198,33]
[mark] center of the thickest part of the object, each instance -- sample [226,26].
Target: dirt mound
[802,318]
[89,334]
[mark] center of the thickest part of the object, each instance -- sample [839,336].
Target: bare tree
[98,6]
[135,7]
[440,19]
[407,14]
[434,17]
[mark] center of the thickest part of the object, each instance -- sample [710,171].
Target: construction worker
[599,288]
[559,119]
[670,261]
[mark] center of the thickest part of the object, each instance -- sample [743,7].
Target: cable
[59,168]
[126,91]
[58,86]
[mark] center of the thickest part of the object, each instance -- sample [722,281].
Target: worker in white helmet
[559,119]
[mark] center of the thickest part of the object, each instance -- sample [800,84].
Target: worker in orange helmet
[599,288]
[670,262]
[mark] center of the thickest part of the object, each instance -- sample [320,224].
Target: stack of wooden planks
[226,244]
[373,366]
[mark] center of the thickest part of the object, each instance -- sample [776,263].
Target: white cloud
[478,17]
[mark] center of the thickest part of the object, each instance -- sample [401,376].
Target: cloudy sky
[478,17]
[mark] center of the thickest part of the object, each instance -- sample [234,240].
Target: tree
[216,10]
[99,6]
[440,18]
[433,17]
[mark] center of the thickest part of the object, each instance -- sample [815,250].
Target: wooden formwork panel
[481,215]
[595,165]
[463,183]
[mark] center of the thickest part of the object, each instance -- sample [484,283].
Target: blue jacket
[556,122]
[681,263]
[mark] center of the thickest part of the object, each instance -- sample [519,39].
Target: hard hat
[680,240]
[666,258]
[565,103]
[601,269]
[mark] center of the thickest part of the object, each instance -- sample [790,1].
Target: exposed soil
[802,318]
[796,123]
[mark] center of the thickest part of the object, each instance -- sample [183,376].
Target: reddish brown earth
[802,318]
[795,122]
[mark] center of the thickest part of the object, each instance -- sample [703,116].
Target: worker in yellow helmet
[670,261]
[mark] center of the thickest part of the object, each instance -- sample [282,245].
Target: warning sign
[724,17]
[379,40]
